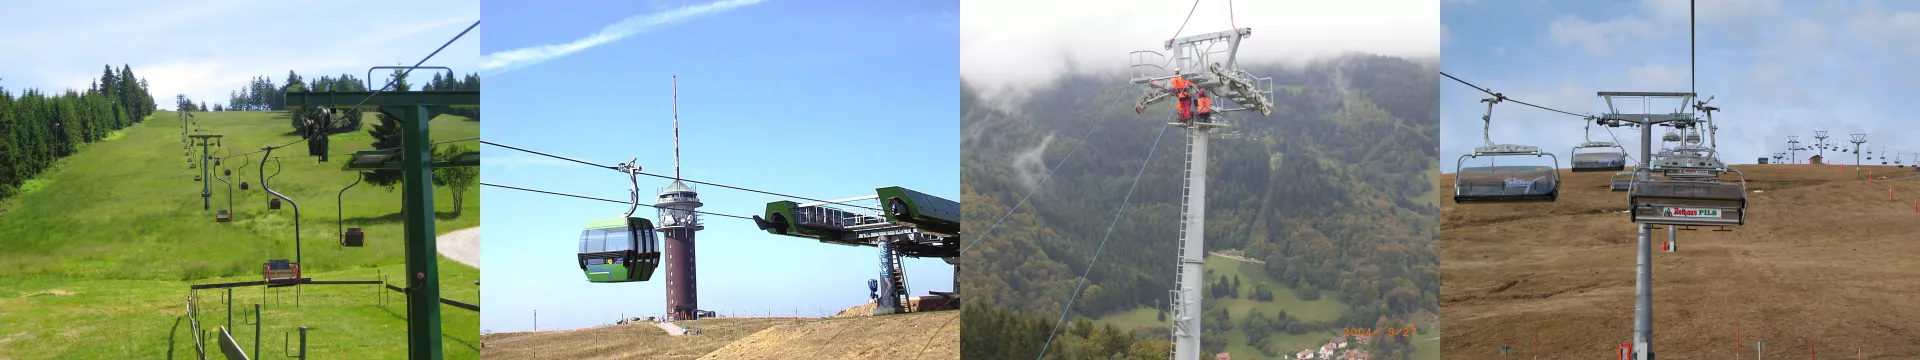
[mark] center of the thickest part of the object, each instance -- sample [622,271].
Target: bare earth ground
[462,246]
[928,335]
[1824,263]
[640,340]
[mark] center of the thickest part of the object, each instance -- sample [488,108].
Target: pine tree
[387,135]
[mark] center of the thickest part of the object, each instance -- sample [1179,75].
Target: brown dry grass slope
[928,335]
[1825,261]
[925,335]
[640,340]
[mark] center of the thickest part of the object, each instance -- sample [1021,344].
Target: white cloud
[1897,30]
[208,49]
[1012,45]
[1600,37]
[512,59]
[1710,11]
[1658,77]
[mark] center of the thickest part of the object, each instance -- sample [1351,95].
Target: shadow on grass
[396,218]
[443,332]
[171,335]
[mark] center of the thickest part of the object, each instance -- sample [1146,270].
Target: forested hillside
[38,128]
[1333,192]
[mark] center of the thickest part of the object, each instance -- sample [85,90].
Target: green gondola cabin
[619,250]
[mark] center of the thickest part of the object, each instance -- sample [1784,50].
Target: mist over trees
[1332,192]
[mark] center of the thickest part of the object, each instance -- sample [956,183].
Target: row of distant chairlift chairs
[1686,191]
[277,272]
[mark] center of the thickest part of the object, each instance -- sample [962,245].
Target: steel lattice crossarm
[929,224]
[1190,55]
[342,100]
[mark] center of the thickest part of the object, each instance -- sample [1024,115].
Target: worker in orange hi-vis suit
[1203,105]
[1180,86]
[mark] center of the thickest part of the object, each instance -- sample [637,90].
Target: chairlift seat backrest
[1688,203]
[354,237]
[1499,184]
[1621,181]
[1599,156]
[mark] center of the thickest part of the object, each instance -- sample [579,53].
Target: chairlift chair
[1621,181]
[619,250]
[273,204]
[227,172]
[280,272]
[1689,195]
[206,193]
[222,216]
[196,177]
[243,185]
[1506,184]
[353,238]
[1599,156]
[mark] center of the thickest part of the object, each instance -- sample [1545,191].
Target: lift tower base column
[1192,254]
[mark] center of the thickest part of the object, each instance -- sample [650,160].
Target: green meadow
[96,255]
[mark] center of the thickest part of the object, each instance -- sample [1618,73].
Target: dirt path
[1216,253]
[462,246]
[671,329]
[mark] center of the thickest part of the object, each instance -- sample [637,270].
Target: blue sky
[824,100]
[1776,68]
[206,49]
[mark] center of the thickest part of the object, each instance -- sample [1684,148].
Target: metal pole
[303,343]
[206,203]
[1643,273]
[256,329]
[1187,297]
[1673,239]
[423,280]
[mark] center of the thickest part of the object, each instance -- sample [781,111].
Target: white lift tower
[1193,60]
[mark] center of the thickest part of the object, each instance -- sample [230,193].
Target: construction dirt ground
[924,335]
[1825,263]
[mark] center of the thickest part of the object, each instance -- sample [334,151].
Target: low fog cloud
[1008,47]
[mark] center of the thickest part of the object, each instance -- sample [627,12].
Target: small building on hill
[1816,160]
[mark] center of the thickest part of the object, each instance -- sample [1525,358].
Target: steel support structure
[1857,140]
[1643,263]
[1192,60]
[414,110]
[1186,296]
[206,202]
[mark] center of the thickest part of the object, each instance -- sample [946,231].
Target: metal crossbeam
[414,109]
[343,100]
